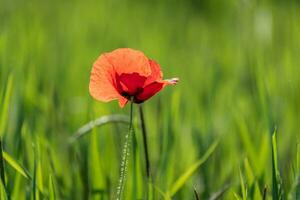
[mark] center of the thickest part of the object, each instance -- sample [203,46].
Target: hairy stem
[125,156]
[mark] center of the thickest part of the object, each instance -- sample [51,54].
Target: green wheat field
[228,130]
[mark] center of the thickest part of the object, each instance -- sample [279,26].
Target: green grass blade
[274,168]
[17,190]
[164,195]
[249,172]
[2,172]
[3,194]
[265,191]
[178,184]
[34,182]
[297,185]
[85,129]
[294,192]
[39,178]
[276,179]
[197,197]
[236,196]
[298,157]
[257,193]
[246,138]
[95,165]
[220,193]
[5,105]
[14,164]
[243,187]
[52,195]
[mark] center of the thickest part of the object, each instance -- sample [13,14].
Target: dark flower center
[127,95]
[130,85]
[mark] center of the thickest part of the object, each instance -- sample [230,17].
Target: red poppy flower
[126,74]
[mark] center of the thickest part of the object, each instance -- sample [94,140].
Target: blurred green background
[238,64]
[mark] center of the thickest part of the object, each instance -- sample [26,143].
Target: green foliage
[179,183]
[238,64]
[15,165]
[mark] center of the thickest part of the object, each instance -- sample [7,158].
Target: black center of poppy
[127,95]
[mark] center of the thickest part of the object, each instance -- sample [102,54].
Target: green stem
[145,141]
[125,156]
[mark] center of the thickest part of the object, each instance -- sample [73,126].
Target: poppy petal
[156,73]
[149,91]
[153,88]
[122,101]
[126,61]
[130,84]
[102,82]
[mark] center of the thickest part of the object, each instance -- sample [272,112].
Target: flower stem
[125,156]
[145,141]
